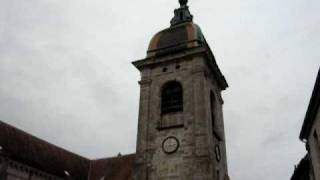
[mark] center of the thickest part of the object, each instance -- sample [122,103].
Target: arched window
[171,98]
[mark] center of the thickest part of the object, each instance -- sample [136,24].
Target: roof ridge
[114,157]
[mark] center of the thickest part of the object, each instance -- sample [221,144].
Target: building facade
[310,131]
[309,134]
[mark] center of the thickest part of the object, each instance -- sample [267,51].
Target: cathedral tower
[180,130]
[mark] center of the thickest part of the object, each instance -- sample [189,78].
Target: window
[218,174]
[315,135]
[165,69]
[316,139]
[317,144]
[213,116]
[212,106]
[171,98]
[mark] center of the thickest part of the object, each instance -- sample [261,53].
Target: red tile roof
[25,148]
[32,151]
[116,168]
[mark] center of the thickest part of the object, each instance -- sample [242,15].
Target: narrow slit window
[181,15]
[171,98]
[316,138]
[315,135]
[212,107]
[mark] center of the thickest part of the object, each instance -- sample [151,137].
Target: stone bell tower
[180,130]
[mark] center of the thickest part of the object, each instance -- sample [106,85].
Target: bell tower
[180,129]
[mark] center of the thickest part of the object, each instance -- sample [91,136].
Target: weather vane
[183,2]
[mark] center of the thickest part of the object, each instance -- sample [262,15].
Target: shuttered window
[171,98]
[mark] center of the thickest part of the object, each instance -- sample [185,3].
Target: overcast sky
[66,73]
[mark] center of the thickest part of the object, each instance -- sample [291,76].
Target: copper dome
[176,38]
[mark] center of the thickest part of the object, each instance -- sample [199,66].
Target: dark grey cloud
[66,76]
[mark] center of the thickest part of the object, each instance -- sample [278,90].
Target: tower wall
[195,158]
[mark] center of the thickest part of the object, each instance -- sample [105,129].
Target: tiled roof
[116,168]
[32,151]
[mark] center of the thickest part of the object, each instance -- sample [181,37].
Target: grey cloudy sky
[66,76]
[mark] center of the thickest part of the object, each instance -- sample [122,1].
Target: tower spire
[181,14]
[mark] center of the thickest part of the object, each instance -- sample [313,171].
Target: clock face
[170,145]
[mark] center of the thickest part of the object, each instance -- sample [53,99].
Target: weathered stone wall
[195,158]
[221,165]
[314,145]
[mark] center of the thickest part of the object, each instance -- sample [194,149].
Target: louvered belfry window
[171,98]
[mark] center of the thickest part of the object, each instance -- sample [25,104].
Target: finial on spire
[182,14]
[183,2]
